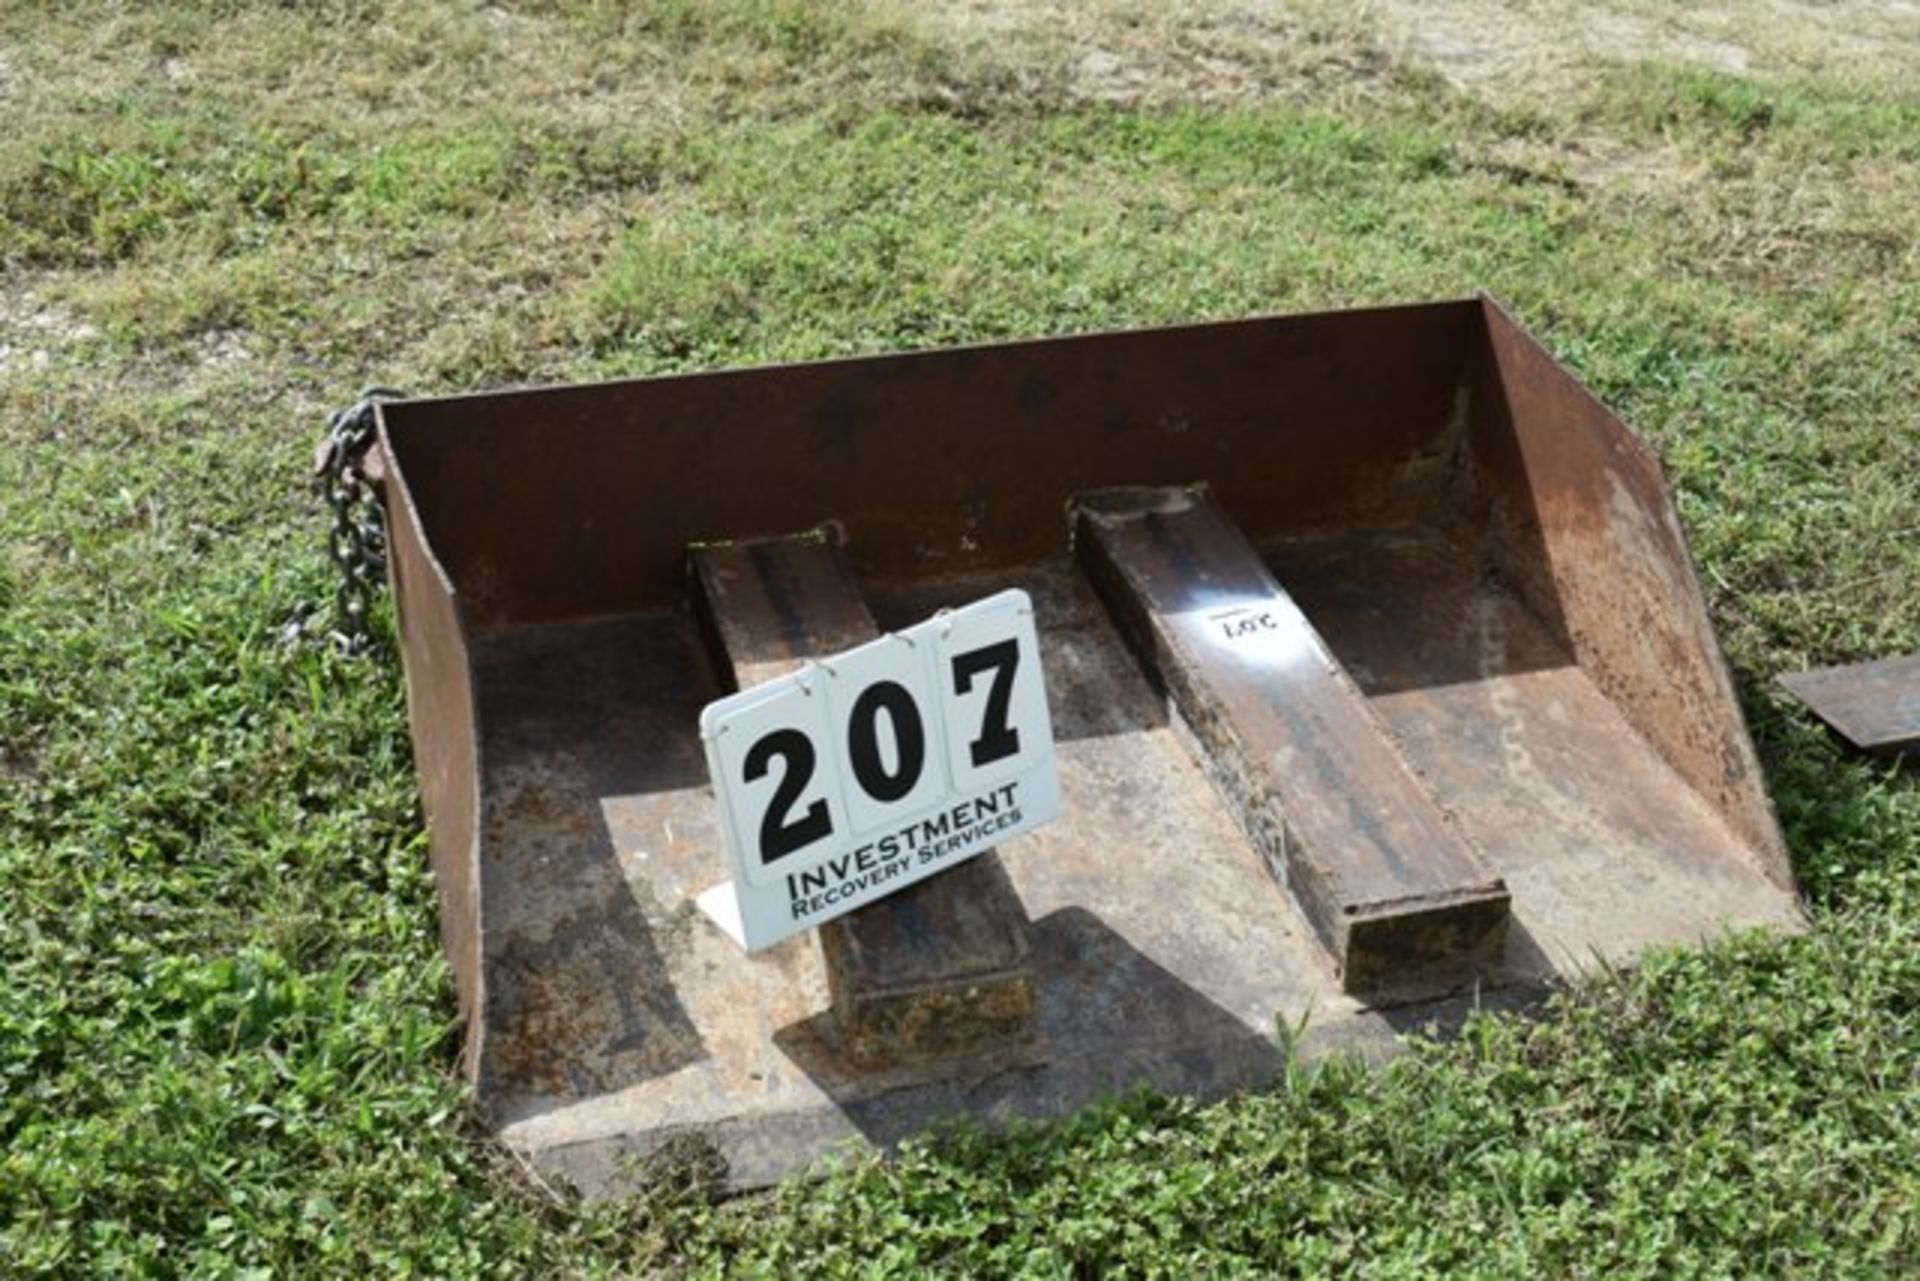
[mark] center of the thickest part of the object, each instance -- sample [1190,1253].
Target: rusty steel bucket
[1381,682]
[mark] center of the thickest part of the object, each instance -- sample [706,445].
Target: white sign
[864,772]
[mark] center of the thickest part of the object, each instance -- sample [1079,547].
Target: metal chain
[357,542]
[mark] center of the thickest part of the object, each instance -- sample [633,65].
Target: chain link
[357,541]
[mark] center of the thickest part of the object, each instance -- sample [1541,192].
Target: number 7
[997,740]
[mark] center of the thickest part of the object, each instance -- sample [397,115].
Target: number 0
[863,741]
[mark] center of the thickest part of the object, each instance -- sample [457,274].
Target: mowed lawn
[225,1028]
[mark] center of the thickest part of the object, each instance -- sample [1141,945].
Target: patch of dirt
[224,348]
[33,330]
[1131,51]
[1546,55]
[1512,46]
[19,765]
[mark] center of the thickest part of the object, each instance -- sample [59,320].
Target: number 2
[778,836]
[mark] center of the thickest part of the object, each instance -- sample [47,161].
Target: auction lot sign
[866,771]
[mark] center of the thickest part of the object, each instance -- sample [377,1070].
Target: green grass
[225,1030]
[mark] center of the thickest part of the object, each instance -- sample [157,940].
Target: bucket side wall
[1585,528]
[443,725]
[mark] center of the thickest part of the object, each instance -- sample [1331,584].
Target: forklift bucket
[1381,684]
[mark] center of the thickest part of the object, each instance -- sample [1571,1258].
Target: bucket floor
[617,1017]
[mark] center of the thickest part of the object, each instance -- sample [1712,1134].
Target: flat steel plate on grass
[1873,706]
